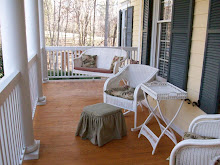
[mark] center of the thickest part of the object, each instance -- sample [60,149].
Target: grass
[65,73]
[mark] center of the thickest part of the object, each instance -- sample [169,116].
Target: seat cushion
[100,70]
[190,135]
[125,92]
[115,59]
[89,61]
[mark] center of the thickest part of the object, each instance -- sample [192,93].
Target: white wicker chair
[104,60]
[199,152]
[134,75]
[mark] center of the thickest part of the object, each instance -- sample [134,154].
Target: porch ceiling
[55,125]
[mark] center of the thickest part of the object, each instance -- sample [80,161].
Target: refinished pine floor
[56,122]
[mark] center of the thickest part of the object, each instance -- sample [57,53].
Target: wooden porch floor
[55,125]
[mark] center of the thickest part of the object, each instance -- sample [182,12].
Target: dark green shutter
[181,33]
[129,29]
[209,90]
[119,27]
[146,32]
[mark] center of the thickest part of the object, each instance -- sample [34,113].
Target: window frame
[156,34]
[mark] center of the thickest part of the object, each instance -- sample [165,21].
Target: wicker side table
[160,91]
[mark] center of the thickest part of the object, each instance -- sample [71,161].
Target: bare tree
[93,33]
[67,19]
[48,13]
[58,27]
[106,23]
[83,19]
[54,22]
[114,35]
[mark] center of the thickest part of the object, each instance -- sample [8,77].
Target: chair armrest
[206,125]
[116,67]
[114,81]
[195,151]
[216,159]
[124,58]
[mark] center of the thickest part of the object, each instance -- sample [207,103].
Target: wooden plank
[55,125]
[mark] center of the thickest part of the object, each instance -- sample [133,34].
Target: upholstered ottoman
[101,123]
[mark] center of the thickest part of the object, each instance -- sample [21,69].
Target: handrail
[32,69]
[31,60]
[12,148]
[50,48]
[7,83]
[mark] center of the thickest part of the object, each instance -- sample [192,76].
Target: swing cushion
[89,61]
[100,70]
[115,59]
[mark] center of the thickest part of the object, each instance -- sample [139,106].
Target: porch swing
[108,62]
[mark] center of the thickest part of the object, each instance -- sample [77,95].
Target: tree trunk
[93,33]
[114,36]
[67,21]
[48,19]
[58,26]
[54,20]
[106,23]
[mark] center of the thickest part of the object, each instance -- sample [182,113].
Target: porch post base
[42,100]
[35,154]
[45,80]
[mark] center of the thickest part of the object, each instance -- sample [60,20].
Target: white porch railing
[32,67]
[11,142]
[60,60]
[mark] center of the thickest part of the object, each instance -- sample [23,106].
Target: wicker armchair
[133,75]
[199,152]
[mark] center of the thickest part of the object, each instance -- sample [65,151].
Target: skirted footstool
[101,123]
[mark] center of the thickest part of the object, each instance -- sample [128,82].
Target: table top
[163,91]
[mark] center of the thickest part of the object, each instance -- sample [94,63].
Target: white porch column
[42,42]
[15,59]
[33,41]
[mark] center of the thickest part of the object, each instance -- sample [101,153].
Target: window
[125,27]
[161,36]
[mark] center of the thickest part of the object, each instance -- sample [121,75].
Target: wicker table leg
[153,139]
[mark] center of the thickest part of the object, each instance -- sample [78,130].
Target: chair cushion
[89,61]
[125,92]
[190,135]
[100,70]
[115,59]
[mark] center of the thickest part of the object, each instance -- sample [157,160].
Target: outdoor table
[160,91]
